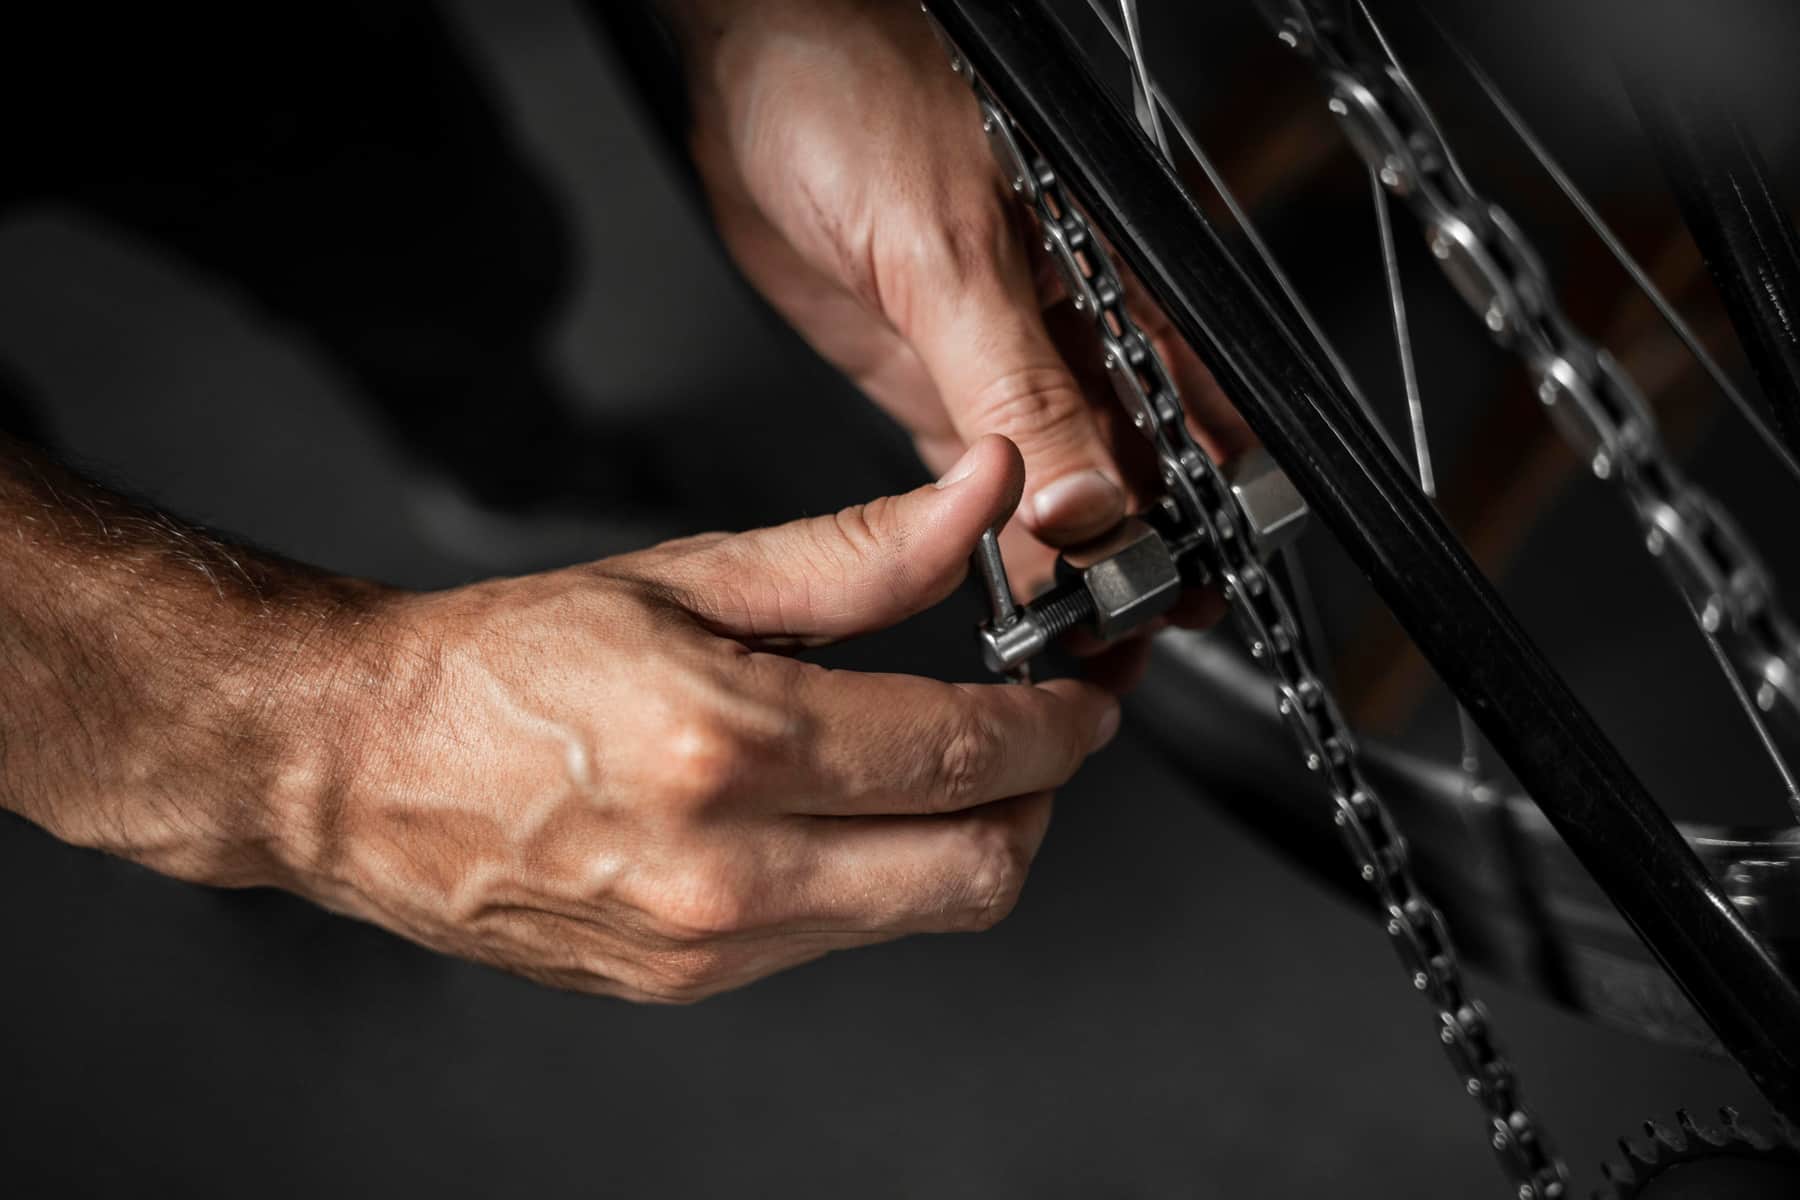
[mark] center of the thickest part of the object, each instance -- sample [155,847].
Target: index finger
[984,345]
[899,744]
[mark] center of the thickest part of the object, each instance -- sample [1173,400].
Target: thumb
[997,371]
[863,568]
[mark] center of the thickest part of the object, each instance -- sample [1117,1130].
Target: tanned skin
[616,777]
[610,778]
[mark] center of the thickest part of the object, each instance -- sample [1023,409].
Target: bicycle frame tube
[1272,372]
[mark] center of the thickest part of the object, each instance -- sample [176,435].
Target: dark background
[207,302]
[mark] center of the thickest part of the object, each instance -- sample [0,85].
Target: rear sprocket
[1691,1162]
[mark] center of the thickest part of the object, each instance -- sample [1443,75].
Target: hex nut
[1130,575]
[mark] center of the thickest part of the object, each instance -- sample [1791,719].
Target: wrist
[358,693]
[307,692]
[179,717]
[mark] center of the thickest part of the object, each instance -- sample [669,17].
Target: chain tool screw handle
[1108,587]
[1117,583]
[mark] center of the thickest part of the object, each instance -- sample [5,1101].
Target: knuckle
[936,252]
[967,759]
[870,543]
[1029,400]
[973,240]
[961,244]
[1002,863]
[862,533]
[701,913]
[699,906]
[701,761]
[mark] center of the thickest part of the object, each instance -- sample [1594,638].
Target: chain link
[1595,406]
[1265,616]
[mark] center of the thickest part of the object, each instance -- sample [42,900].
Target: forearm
[163,695]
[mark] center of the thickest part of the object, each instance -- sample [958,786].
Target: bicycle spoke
[1640,277]
[1708,624]
[1415,405]
[1141,99]
[1270,264]
[1755,717]
[1594,405]
[1404,82]
[1470,757]
[1148,99]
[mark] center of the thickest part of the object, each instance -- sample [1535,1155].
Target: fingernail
[959,471]
[1084,499]
[1107,728]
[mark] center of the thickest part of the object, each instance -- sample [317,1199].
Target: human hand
[609,778]
[851,181]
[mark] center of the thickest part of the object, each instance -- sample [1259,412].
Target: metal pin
[990,564]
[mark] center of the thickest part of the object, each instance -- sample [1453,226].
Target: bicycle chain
[1597,408]
[1265,616]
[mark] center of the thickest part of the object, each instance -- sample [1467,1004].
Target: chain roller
[1203,498]
[1596,408]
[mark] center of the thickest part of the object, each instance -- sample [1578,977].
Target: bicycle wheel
[1519,866]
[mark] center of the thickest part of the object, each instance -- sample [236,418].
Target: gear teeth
[1689,1141]
[1661,1135]
[1736,1130]
[1716,1138]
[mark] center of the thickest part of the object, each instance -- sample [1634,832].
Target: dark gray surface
[1170,1011]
